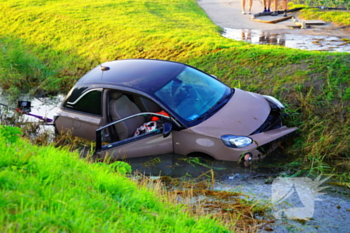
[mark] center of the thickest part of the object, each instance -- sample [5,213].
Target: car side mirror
[167,127]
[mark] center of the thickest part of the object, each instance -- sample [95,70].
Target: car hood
[242,115]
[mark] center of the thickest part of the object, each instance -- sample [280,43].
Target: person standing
[276,8]
[250,6]
[267,8]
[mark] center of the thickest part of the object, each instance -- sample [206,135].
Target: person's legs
[285,8]
[275,12]
[268,5]
[250,6]
[276,5]
[243,6]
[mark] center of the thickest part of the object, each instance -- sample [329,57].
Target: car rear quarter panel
[78,124]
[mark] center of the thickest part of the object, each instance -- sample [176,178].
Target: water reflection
[307,42]
[45,107]
[262,38]
[272,38]
[176,165]
[246,35]
[32,125]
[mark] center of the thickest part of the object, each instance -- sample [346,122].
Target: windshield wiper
[225,98]
[203,116]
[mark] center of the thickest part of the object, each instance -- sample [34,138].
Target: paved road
[228,15]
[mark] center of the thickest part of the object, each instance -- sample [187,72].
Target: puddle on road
[298,41]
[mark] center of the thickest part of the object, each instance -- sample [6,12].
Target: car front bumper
[267,140]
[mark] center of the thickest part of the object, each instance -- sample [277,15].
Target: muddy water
[331,211]
[43,107]
[316,40]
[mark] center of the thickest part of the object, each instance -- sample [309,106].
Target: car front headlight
[274,100]
[236,141]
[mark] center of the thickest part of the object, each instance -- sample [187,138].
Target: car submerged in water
[143,107]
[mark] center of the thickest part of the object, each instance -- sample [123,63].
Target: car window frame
[80,98]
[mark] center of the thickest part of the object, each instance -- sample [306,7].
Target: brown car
[141,107]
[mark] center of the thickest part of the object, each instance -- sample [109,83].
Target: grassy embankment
[43,189]
[47,46]
[312,11]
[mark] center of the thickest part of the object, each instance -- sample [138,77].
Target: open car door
[154,142]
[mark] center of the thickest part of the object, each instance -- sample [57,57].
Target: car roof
[145,75]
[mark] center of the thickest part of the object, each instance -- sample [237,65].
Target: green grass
[71,37]
[324,3]
[43,189]
[47,45]
[338,17]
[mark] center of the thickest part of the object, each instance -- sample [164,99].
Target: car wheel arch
[201,155]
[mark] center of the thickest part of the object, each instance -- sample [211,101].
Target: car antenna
[103,68]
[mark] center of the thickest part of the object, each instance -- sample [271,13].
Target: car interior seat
[146,105]
[121,106]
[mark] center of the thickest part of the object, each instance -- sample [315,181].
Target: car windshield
[192,93]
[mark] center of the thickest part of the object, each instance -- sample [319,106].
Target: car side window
[89,103]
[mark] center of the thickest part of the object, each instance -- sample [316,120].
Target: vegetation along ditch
[46,46]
